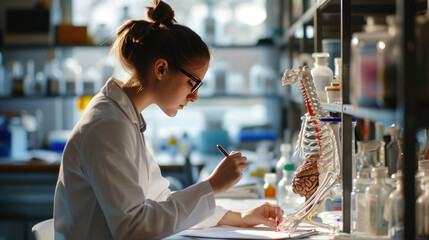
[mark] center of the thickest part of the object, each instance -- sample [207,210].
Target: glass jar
[422,172]
[370,154]
[422,212]
[394,213]
[358,206]
[376,196]
[270,185]
[363,62]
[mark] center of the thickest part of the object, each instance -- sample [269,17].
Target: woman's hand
[228,172]
[266,214]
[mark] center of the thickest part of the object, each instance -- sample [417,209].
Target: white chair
[44,230]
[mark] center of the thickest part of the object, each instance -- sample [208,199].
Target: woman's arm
[266,214]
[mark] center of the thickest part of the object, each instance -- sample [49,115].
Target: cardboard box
[71,35]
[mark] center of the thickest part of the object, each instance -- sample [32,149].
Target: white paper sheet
[228,232]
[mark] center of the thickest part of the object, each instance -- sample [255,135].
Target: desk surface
[244,204]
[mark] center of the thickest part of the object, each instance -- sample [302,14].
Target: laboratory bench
[245,204]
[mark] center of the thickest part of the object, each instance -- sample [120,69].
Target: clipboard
[228,232]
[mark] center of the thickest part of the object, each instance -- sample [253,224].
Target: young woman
[109,186]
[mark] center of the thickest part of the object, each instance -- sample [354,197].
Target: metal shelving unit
[408,114]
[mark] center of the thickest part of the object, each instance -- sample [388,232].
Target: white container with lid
[333,94]
[322,74]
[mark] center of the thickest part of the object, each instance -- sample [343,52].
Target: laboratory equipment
[395,210]
[422,172]
[363,65]
[285,158]
[270,185]
[358,206]
[318,147]
[388,51]
[376,196]
[422,212]
[393,150]
[322,74]
[286,198]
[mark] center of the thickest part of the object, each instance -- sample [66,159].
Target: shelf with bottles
[331,8]
[303,20]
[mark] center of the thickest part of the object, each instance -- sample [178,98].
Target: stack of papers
[228,232]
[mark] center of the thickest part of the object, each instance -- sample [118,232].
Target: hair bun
[161,12]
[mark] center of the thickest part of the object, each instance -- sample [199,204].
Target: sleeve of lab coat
[110,166]
[213,220]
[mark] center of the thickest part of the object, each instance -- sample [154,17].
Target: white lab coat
[110,187]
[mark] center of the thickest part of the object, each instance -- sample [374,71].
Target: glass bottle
[388,51]
[29,79]
[369,154]
[5,81]
[17,79]
[358,213]
[376,196]
[395,210]
[422,212]
[363,65]
[422,172]
[286,198]
[285,158]
[322,74]
[270,185]
[393,150]
[55,83]
[338,77]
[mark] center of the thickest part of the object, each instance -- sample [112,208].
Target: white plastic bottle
[286,198]
[285,158]
[322,74]
[376,196]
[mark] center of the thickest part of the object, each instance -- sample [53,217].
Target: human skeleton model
[317,145]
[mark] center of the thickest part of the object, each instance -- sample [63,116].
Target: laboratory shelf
[384,116]
[305,18]
[336,108]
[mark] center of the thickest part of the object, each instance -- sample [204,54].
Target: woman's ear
[161,66]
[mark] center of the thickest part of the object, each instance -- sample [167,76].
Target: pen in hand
[222,150]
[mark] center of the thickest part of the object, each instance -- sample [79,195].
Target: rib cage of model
[317,145]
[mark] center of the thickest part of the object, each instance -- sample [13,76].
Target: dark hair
[139,42]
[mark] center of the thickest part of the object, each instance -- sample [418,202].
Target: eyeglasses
[192,77]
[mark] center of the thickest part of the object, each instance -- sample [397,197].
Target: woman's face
[175,92]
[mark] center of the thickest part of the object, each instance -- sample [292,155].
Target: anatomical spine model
[317,145]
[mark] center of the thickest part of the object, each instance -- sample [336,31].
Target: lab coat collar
[112,89]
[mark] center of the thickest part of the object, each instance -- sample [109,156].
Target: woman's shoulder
[104,113]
